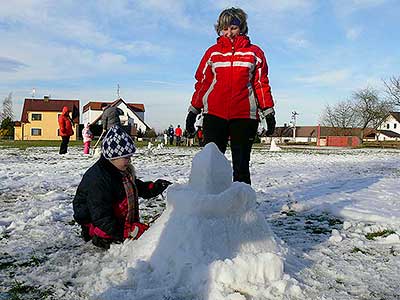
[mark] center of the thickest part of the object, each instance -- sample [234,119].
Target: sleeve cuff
[194,110]
[268,111]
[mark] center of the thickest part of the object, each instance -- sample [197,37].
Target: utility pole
[118,91]
[293,121]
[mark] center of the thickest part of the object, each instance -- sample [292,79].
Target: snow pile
[210,243]
[274,146]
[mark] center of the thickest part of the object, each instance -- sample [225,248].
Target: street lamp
[293,122]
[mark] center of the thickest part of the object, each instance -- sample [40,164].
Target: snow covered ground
[335,213]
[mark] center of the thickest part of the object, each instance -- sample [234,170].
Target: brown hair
[228,15]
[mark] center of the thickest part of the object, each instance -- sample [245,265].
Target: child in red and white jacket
[106,202]
[87,138]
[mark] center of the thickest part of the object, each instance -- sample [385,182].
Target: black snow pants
[240,133]
[64,144]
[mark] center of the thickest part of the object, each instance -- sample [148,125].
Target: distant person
[200,136]
[110,116]
[165,138]
[189,139]
[106,202]
[178,135]
[87,138]
[233,90]
[171,133]
[65,128]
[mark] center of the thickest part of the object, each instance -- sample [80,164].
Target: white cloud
[270,6]
[298,41]
[344,7]
[359,4]
[138,48]
[58,62]
[171,10]
[353,33]
[327,78]
[10,65]
[111,59]
[21,10]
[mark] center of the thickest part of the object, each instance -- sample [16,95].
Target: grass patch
[72,222]
[10,262]
[339,281]
[26,144]
[356,250]
[317,230]
[21,291]
[383,233]
[289,213]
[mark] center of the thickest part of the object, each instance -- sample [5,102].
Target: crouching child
[106,202]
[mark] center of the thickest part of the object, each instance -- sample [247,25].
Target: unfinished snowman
[210,243]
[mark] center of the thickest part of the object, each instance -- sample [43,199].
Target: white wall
[390,124]
[128,118]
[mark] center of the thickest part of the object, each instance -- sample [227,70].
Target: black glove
[101,243]
[160,186]
[105,243]
[271,123]
[85,233]
[190,120]
[269,116]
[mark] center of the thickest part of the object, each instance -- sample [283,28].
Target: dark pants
[241,133]
[178,140]
[64,144]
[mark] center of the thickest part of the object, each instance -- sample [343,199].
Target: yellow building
[39,120]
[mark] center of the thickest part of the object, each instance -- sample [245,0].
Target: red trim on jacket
[232,80]
[120,212]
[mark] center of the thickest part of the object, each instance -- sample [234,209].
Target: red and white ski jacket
[232,80]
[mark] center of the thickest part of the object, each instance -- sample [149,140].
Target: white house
[390,128]
[133,113]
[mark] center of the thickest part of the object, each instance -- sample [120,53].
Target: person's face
[121,163]
[231,31]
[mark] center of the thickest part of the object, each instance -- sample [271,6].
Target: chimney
[46,98]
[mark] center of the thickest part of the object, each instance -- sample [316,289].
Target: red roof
[42,105]
[96,105]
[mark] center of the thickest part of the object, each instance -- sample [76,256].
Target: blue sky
[318,52]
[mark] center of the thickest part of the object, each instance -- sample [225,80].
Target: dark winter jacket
[65,123]
[171,131]
[232,80]
[101,201]
[110,117]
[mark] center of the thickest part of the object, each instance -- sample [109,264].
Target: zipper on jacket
[231,75]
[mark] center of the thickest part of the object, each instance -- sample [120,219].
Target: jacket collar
[105,163]
[238,42]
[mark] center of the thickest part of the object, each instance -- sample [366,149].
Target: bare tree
[393,89]
[7,108]
[340,115]
[371,110]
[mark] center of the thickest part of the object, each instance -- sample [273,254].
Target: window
[387,126]
[394,125]
[36,131]
[36,117]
